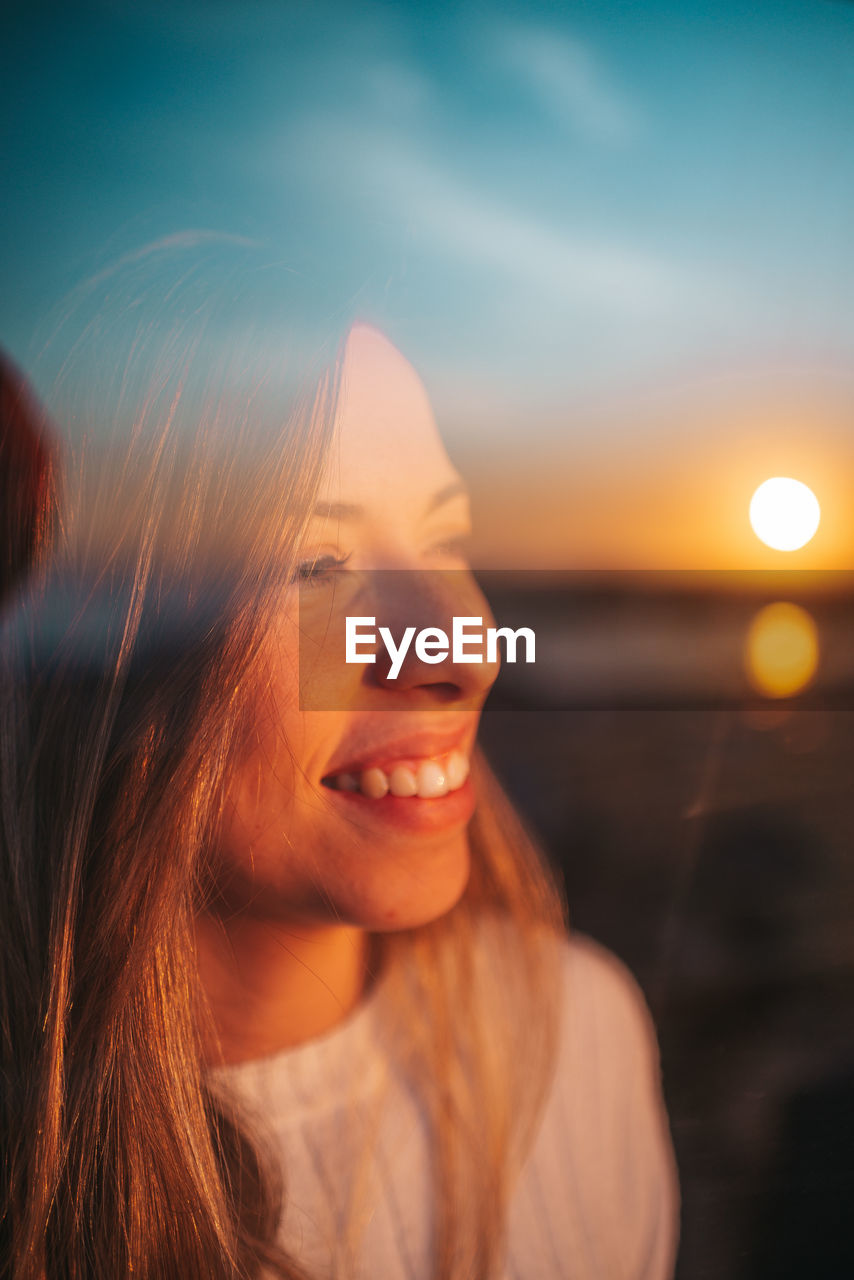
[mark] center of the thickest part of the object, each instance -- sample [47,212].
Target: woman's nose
[432,628]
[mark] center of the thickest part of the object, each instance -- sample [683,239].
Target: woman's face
[357,814]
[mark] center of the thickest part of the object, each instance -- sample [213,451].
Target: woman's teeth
[428,780]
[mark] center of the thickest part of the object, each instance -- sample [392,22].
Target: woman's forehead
[386,434]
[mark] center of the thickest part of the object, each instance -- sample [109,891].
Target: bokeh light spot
[782,650]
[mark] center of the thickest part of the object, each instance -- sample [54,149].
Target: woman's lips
[427,778]
[414,816]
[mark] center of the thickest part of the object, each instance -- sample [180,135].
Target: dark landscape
[706,838]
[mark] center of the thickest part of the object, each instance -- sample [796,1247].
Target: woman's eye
[453,548]
[318,570]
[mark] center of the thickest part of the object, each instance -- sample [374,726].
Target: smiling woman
[285,990]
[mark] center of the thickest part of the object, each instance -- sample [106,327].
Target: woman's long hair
[126,674]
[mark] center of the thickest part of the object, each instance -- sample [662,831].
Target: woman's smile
[429,778]
[425,762]
[418,781]
[412,813]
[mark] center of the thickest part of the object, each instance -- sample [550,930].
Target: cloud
[568,79]
[396,87]
[568,267]
[552,260]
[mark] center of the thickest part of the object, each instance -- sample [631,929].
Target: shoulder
[607,1059]
[602,1169]
[601,1002]
[605,1028]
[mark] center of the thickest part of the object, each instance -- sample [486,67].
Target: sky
[614,238]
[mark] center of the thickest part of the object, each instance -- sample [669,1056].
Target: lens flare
[782,651]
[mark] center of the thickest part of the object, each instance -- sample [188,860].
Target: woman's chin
[408,896]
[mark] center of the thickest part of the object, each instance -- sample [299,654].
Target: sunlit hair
[126,681]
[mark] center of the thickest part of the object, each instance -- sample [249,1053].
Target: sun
[784,513]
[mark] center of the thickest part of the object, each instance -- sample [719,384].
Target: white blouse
[596,1199]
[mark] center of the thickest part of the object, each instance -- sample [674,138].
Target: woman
[285,992]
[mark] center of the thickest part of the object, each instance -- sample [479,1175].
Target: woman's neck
[270,986]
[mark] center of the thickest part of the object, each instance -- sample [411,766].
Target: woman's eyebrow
[352,511]
[338,511]
[456,489]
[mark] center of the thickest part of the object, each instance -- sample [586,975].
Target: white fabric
[596,1200]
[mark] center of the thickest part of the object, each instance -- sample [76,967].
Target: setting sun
[784,513]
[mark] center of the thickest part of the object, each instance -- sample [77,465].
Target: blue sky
[548,205]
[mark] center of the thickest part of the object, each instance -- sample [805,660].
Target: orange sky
[677,498]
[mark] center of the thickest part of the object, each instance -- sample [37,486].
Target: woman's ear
[27,477]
